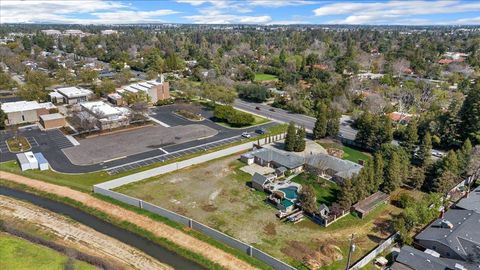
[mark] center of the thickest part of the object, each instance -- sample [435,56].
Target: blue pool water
[290,193]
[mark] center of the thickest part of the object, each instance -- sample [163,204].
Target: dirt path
[159,229]
[78,234]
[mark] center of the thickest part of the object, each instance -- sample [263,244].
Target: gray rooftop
[288,160]
[472,202]
[260,179]
[419,260]
[463,238]
[343,168]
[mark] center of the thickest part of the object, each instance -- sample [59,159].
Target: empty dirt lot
[217,194]
[106,147]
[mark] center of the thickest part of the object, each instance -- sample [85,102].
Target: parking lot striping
[114,159]
[163,150]
[34,143]
[158,122]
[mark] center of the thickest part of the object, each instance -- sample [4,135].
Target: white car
[246,135]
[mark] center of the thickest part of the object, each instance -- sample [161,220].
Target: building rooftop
[343,168]
[418,260]
[52,116]
[21,106]
[472,201]
[73,92]
[288,160]
[368,204]
[101,109]
[459,230]
[40,158]
[260,179]
[143,86]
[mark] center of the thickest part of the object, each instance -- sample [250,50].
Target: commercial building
[109,32]
[54,120]
[51,32]
[21,112]
[70,95]
[27,161]
[108,117]
[156,90]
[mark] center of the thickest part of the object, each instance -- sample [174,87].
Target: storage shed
[42,162]
[27,161]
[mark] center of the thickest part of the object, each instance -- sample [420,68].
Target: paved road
[284,116]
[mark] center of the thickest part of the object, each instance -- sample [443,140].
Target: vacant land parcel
[218,194]
[107,147]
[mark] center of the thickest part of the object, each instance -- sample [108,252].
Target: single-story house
[70,95]
[471,201]
[20,112]
[456,235]
[366,205]
[54,120]
[270,158]
[331,167]
[259,181]
[27,161]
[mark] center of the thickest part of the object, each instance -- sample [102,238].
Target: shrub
[232,117]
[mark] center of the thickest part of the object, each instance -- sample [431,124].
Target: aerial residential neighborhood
[228,134]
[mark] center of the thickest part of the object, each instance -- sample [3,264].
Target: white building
[27,161]
[109,32]
[108,116]
[51,32]
[70,95]
[21,112]
[74,32]
[156,90]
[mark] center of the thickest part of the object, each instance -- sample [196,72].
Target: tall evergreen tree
[378,171]
[393,174]
[410,137]
[291,137]
[320,129]
[308,199]
[450,163]
[425,151]
[300,140]
[333,122]
[347,194]
[464,154]
[470,115]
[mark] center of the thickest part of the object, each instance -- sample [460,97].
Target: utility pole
[350,251]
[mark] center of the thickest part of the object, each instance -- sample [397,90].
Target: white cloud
[192,2]
[280,3]
[99,11]
[392,11]
[220,18]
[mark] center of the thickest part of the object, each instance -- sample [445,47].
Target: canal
[155,250]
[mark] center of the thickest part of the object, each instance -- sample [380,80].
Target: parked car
[261,131]
[246,135]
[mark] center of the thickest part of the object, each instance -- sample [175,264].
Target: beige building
[156,90]
[54,120]
[21,112]
[108,117]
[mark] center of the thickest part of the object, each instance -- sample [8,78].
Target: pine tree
[445,182]
[291,137]
[425,151]
[410,137]
[320,129]
[308,199]
[300,140]
[378,171]
[393,174]
[347,194]
[464,154]
[333,122]
[450,163]
[470,114]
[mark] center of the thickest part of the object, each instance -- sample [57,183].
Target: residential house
[156,90]
[21,112]
[400,117]
[471,201]
[275,159]
[260,182]
[455,236]
[108,117]
[332,168]
[70,95]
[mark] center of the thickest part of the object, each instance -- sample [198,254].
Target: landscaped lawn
[17,253]
[325,190]
[257,121]
[14,144]
[261,77]
[348,152]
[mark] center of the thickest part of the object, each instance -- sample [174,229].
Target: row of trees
[374,130]
[295,138]
[327,122]
[233,117]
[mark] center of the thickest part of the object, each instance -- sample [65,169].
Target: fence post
[190,223]
[250,251]
[140,204]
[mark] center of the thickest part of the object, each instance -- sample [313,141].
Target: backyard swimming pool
[291,193]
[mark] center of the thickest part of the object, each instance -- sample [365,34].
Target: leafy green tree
[88,75]
[106,87]
[378,171]
[410,139]
[450,163]
[470,115]
[444,182]
[320,129]
[3,118]
[291,137]
[123,77]
[333,123]
[347,194]
[308,199]
[218,93]
[300,140]
[253,92]
[464,155]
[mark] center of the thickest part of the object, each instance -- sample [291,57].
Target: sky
[265,12]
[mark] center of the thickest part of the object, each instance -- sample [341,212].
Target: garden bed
[18,144]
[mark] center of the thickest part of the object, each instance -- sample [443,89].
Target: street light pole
[350,251]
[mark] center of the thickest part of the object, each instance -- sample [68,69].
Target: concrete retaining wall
[219,236]
[166,213]
[277,264]
[374,253]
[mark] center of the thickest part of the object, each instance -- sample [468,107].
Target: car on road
[246,135]
[261,131]
[257,108]
[437,153]
[272,109]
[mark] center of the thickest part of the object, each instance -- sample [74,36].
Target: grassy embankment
[17,253]
[262,77]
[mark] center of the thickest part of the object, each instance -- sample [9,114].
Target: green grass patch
[262,77]
[18,144]
[256,122]
[325,190]
[17,253]
[348,152]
